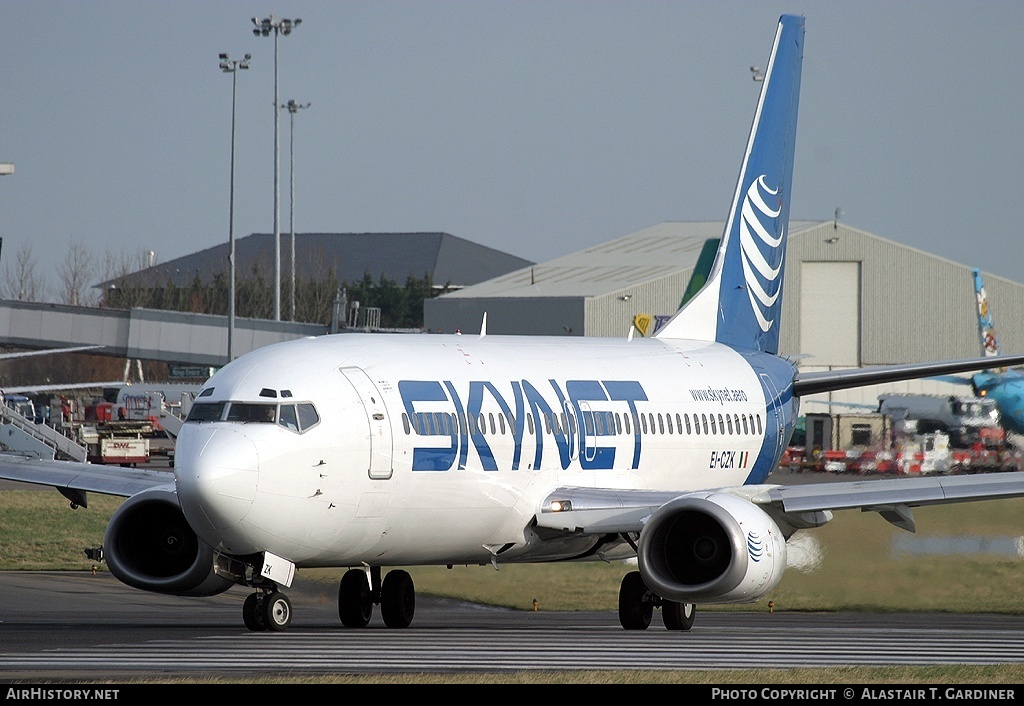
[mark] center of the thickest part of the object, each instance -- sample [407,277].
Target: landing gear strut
[396,596]
[267,609]
[637,604]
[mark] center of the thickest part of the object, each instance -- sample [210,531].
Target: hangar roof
[446,258]
[608,267]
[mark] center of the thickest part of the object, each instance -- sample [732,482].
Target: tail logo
[757,272]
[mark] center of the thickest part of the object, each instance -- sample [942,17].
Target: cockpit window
[287,417]
[307,416]
[205,412]
[298,417]
[250,412]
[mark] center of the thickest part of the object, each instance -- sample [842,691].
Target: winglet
[741,301]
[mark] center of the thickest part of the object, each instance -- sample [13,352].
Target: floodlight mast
[293,107]
[263,28]
[229,66]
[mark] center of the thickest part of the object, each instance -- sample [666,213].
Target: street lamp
[292,107]
[263,28]
[229,66]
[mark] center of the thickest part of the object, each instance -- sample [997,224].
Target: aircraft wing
[48,351]
[610,511]
[74,479]
[826,381]
[56,387]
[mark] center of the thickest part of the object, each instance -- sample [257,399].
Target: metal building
[447,259]
[851,299]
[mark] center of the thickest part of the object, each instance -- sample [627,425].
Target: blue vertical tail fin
[986,331]
[740,303]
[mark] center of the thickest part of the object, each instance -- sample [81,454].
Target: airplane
[369,452]
[1003,385]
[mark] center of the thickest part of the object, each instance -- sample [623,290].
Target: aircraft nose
[216,470]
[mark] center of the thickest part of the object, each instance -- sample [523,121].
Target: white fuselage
[440,449]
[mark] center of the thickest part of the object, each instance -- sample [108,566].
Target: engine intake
[714,548]
[149,545]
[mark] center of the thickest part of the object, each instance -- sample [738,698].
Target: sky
[536,127]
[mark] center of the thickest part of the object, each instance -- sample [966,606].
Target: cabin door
[381,442]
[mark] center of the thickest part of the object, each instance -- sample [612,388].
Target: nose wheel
[267,610]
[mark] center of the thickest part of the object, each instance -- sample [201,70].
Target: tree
[21,282]
[75,274]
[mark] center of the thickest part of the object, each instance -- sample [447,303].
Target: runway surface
[80,626]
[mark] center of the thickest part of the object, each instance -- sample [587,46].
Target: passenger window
[696,424]
[625,423]
[687,418]
[661,424]
[746,429]
[728,419]
[714,429]
[287,417]
[704,419]
[643,422]
[529,422]
[405,423]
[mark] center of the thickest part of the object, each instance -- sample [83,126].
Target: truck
[970,422]
[840,443]
[110,438]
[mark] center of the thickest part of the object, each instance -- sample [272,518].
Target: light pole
[292,107]
[263,28]
[229,66]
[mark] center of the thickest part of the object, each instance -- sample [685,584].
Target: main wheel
[678,616]
[397,599]
[252,616]
[276,611]
[636,605]
[355,603]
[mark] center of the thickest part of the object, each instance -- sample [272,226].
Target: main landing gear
[396,596]
[637,604]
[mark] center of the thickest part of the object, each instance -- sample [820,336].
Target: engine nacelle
[714,548]
[149,545]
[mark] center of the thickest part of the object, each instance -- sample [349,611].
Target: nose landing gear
[267,609]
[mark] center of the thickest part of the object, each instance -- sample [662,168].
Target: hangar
[447,259]
[851,299]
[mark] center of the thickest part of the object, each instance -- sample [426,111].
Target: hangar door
[830,313]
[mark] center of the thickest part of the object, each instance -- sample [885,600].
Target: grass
[855,569]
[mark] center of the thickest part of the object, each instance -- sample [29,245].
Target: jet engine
[713,548]
[149,545]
